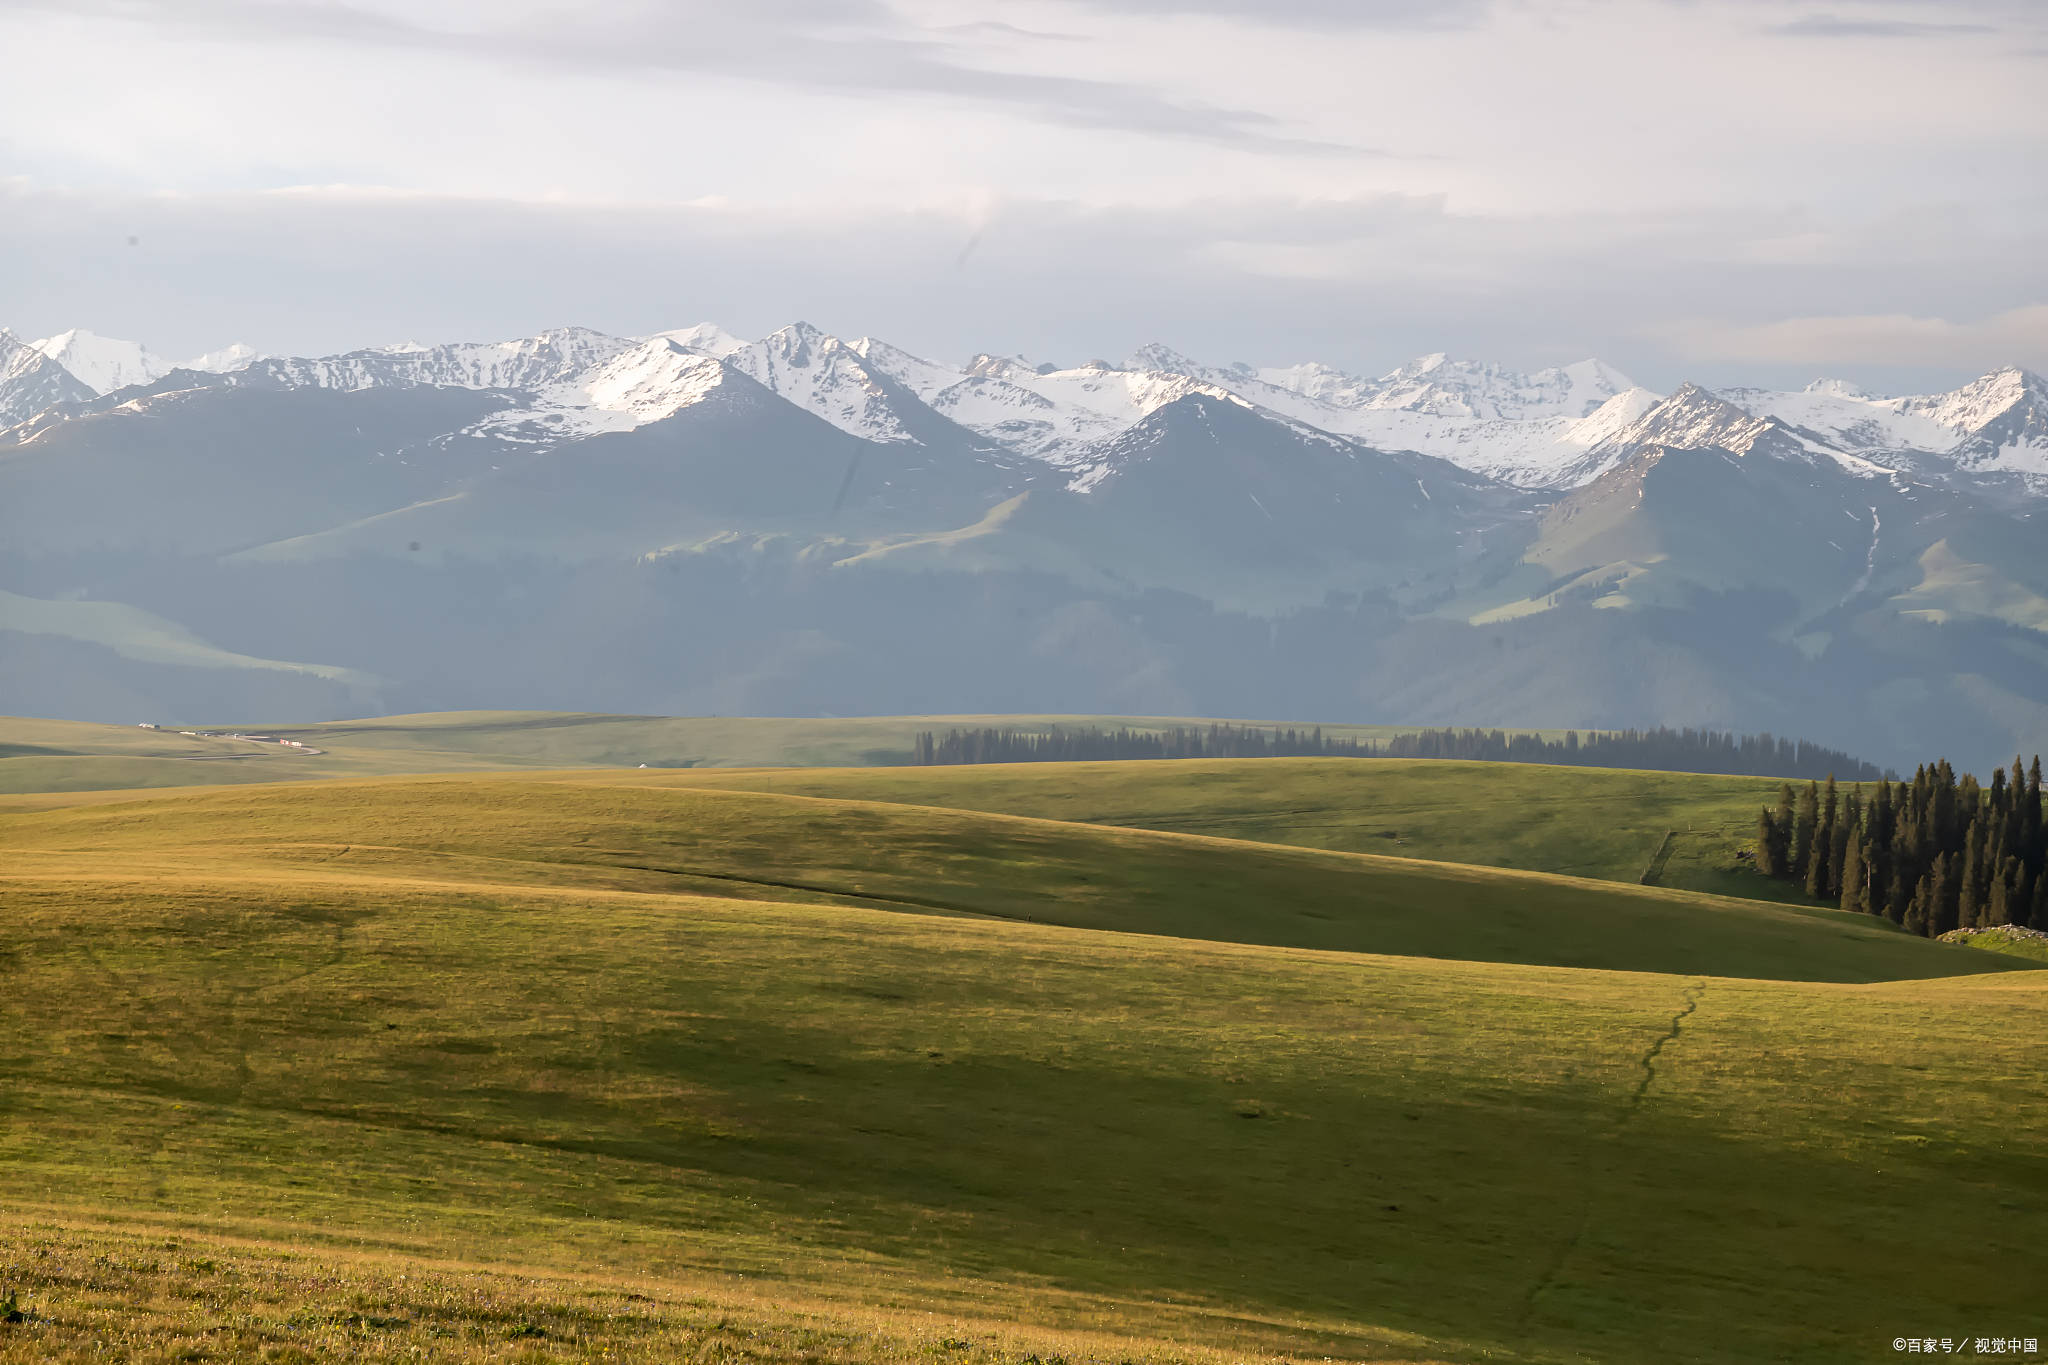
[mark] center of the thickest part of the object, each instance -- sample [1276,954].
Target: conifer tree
[1848,829]
[1855,896]
[1970,893]
[2032,814]
[1767,860]
[2040,916]
[1805,821]
[2016,821]
[1819,872]
[1915,919]
[1899,893]
[1941,908]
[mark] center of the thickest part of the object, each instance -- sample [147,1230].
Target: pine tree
[2040,916]
[2016,820]
[2031,813]
[1969,898]
[1855,896]
[1818,869]
[1767,860]
[1848,829]
[1899,893]
[1805,822]
[1941,909]
[1999,909]
[1915,918]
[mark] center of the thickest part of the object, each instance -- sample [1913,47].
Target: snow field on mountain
[1552,428]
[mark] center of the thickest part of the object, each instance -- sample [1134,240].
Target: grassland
[1583,822]
[47,755]
[639,834]
[834,1080]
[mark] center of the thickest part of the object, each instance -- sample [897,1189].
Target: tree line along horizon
[1939,853]
[1660,749]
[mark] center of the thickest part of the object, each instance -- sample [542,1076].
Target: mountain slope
[103,364]
[209,470]
[734,460]
[31,382]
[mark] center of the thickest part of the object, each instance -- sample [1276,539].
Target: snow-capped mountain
[535,364]
[103,364]
[825,376]
[31,382]
[1994,424]
[1548,429]
[796,523]
[226,360]
[1695,419]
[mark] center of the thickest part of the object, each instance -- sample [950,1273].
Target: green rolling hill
[560,1066]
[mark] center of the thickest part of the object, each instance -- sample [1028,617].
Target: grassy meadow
[1602,823]
[1606,824]
[61,755]
[664,1065]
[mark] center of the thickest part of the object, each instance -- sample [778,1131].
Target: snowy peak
[1995,424]
[823,375]
[1440,386]
[533,364]
[657,379]
[925,378]
[103,364]
[1437,385]
[706,338]
[30,381]
[1693,418]
[1163,359]
[1322,383]
[2006,417]
[1611,418]
[227,360]
[1984,402]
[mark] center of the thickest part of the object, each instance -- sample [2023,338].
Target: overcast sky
[1711,189]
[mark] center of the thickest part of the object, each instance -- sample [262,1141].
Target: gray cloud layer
[854,46]
[1363,284]
[1763,188]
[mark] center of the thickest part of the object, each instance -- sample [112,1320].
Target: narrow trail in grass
[1598,1172]
[1649,1059]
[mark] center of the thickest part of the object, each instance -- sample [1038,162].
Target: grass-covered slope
[1603,823]
[51,755]
[603,832]
[457,1020]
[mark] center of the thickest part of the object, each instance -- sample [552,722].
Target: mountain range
[800,524]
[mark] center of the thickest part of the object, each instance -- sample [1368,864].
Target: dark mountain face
[213,470]
[1206,495]
[441,547]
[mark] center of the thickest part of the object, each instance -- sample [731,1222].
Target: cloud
[1834,26]
[1363,282]
[856,47]
[2017,336]
[1320,14]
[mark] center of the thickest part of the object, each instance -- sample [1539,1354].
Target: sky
[1733,191]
